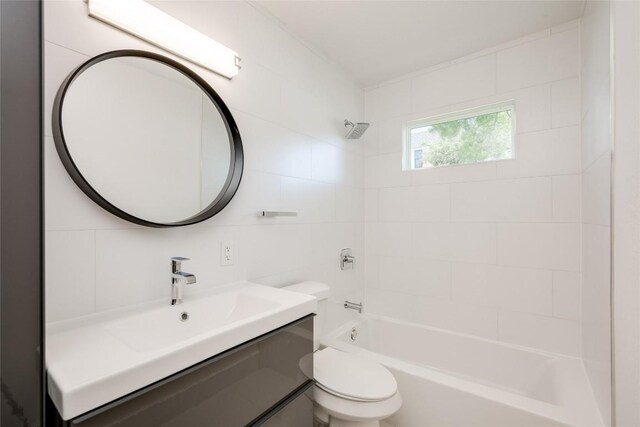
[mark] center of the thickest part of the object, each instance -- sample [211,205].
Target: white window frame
[407,127]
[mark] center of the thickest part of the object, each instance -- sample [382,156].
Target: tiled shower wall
[289,104]
[596,196]
[491,249]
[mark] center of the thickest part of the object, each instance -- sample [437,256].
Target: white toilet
[350,391]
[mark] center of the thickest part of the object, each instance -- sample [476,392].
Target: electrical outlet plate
[227,253]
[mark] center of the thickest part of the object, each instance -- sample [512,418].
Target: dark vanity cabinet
[258,383]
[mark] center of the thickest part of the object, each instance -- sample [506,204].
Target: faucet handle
[176,263]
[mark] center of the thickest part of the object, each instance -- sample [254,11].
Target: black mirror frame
[236,159]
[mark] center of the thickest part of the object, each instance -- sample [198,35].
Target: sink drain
[184,316]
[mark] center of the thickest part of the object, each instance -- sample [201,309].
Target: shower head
[355,130]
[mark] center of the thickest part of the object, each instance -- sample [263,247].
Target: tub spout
[353,306]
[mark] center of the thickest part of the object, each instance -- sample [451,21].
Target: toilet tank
[321,292]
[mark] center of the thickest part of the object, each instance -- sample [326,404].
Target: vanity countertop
[99,358]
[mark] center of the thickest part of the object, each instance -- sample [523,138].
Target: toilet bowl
[350,391]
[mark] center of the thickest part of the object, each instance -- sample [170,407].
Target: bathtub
[451,379]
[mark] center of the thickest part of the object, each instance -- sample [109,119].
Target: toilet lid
[351,376]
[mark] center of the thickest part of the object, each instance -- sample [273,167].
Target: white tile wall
[549,246]
[491,249]
[546,333]
[71,265]
[452,84]
[595,188]
[566,295]
[289,104]
[520,289]
[547,59]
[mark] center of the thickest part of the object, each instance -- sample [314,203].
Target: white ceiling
[380,40]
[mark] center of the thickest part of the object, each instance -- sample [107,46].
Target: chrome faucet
[347,260]
[178,278]
[353,306]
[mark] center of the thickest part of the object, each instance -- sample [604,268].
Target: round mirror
[147,139]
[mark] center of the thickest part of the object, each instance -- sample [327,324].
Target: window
[479,135]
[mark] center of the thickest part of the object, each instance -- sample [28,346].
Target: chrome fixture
[355,130]
[353,306]
[347,260]
[276,213]
[354,334]
[179,277]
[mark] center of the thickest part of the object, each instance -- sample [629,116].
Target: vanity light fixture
[149,23]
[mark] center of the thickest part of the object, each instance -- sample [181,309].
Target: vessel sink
[99,358]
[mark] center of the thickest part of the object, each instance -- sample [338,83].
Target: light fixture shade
[149,23]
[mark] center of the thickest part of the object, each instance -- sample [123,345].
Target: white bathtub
[450,379]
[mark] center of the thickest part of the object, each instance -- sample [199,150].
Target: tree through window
[478,136]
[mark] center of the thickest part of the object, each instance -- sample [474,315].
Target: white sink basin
[169,326]
[99,358]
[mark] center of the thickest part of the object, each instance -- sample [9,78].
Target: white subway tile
[566,198]
[386,171]
[473,242]
[565,102]
[550,246]
[350,204]
[427,203]
[415,276]
[274,249]
[533,108]
[566,295]
[524,199]
[371,205]
[516,289]
[370,141]
[474,201]
[596,192]
[416,204]
[70,274]
[540,61]
[459,82]
[388,238]
[519,200]
[313,201]
[393,203]
[328,163]
[307,114]
[596,129]
[550,152]
[258,191]
[596,290]
[269,147]
[468,242]
[390,135]
[391,100]
[546,333]
[258,91]
[431,240]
